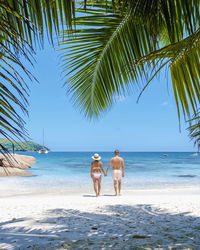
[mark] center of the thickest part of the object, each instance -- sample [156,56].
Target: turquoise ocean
[70,172]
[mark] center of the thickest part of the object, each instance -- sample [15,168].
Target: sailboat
[44,149]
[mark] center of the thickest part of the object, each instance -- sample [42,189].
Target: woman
[96,168]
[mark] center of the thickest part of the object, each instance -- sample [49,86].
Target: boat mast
[43,138]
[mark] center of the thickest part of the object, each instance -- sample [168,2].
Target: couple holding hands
[117,172]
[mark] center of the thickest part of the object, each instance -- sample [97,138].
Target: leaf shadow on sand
[94,196]
[89,195]
[110,227]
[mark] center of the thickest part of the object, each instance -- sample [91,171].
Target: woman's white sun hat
[96,157]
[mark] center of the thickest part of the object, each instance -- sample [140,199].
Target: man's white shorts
[116,175]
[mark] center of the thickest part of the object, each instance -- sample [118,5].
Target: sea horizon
[100,151]
[69,172]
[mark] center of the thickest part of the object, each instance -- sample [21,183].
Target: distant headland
[21,146]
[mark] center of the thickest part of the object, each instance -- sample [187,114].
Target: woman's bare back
[96,166]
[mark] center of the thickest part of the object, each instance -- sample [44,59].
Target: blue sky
[151,125]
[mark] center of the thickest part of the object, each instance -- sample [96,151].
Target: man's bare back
[117,163]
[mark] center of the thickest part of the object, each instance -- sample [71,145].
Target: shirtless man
[117,170]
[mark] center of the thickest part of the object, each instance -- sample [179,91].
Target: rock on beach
[13,164]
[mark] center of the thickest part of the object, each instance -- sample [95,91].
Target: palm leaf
[31,17]
[183,60]
[22,23]
[107,55]
[96,56]
[194,129]
[13,88]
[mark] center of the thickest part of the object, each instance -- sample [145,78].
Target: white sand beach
[142,219]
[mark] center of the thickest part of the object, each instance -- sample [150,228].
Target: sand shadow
[109,195]
[91,195]
[135,227]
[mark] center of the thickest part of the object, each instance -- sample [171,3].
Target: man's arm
[109,166]
[101,166]
[122,168]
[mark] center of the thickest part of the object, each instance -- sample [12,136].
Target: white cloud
[120,98]
[165,103]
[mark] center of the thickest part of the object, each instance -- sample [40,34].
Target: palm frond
[104,55]
[13,88]
[30,18]
[22,24]
[183,60]
[96,56]
[194,129]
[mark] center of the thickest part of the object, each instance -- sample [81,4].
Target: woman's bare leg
[95,186]
[99,186]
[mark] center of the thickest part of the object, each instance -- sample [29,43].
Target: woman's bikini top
[95,168]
